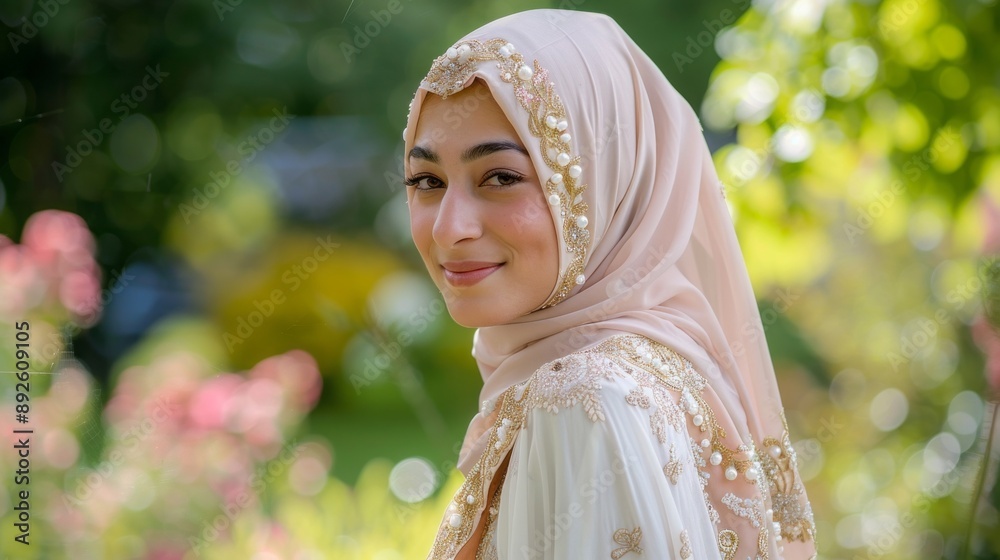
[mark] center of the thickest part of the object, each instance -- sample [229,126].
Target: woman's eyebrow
[475,152]
[487,148]
[423,153]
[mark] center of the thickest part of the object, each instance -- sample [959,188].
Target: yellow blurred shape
[910,128]
[953,82]
[783,255]
[949,41]
[948,150]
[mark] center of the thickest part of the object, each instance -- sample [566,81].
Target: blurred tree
[863,128]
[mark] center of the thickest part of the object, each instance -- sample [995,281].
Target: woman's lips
[466,274]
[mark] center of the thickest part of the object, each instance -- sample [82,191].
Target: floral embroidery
[678,374]
[729,541]
[563,385]
[546,120]
[664,413]
[792,513]
[749,508]
[577,379]
[685,544]
[673,467]
[629,541]
[636,397]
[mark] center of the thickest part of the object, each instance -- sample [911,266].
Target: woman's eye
[432,182]
[506,179]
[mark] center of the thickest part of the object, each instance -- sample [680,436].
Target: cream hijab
[647,241]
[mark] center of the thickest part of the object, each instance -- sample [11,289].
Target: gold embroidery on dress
[629,541]
[699,461]
[467,505]
[685,544]
[673,467]
[568,382]
[488,546]
[679,375]
[546,121]
[576,379]
[791,510]
[664,413]
[762,539]
[729,541]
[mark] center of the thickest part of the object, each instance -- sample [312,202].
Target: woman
[565,203]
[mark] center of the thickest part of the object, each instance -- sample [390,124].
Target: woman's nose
[459,217]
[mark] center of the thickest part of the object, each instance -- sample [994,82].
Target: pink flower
[23,285]
[79,293]
[211,404]
[298,372]
[53,267]
[59,238]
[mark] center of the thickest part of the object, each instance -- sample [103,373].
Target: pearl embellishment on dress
[730,473]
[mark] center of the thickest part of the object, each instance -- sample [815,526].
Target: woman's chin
[474,313]
[474,319]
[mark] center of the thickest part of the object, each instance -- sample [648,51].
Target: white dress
[615,452]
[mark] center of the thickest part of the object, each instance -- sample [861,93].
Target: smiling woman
[629,404]
[478,214]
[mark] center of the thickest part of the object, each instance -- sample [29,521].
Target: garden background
[237,354]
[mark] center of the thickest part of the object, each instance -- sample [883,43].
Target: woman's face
[478,215]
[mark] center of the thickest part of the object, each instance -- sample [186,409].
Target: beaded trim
[469,501]
[791,519]
[546,121]
[679,375]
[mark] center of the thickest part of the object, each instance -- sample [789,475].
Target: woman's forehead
[464,117]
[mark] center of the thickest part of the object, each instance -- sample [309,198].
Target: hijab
[647,243]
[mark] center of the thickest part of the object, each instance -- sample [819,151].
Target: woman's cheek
[527,215]
[421,226]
